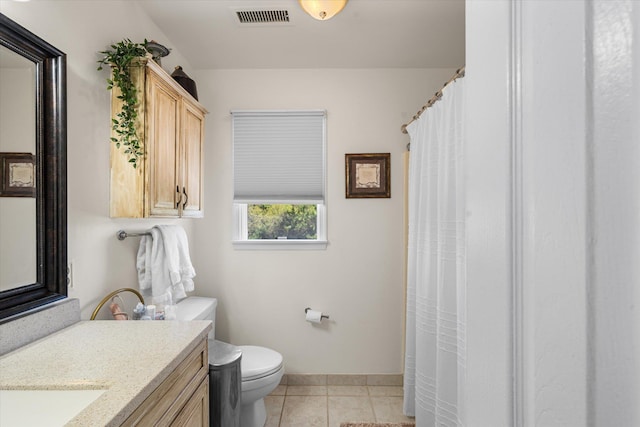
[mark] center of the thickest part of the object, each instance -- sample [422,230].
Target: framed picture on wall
[18,175]
[368,175]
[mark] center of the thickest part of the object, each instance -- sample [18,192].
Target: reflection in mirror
[37,176]
[18,245]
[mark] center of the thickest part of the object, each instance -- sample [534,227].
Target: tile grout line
[373,409]
[327,405]
[284,398]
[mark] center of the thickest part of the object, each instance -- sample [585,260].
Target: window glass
[282,221]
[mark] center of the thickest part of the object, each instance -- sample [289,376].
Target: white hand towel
[158,259]
[163,262]
[143,263]
[178,261]
[187,272]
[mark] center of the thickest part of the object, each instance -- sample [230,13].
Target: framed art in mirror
[18,175]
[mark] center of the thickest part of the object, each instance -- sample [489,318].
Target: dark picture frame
[368,175]
[18,175]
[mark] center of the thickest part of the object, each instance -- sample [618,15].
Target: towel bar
[123,234]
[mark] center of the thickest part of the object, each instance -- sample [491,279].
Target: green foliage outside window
[280,221]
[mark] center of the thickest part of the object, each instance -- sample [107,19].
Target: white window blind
[279,156]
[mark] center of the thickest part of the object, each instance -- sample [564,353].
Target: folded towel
[164,263]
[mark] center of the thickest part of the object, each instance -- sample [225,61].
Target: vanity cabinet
[168,180]
[182,399]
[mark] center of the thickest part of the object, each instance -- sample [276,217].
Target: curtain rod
[458,75]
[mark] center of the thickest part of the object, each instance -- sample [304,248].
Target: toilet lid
[258,362]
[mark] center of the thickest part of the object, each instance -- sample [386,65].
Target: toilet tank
[198,308]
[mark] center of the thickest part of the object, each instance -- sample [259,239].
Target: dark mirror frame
[51,171]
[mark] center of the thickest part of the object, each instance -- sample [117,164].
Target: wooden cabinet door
[196,412]
[182,399]
[163,116]
[192,141]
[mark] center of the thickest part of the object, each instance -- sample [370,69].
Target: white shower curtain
[435,363]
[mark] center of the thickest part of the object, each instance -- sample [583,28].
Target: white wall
[488,162]
[358,279]
[81,29]
[614,149]
[555,239]
[553,309]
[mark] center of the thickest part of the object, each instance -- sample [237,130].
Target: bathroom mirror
[33,215]
[18,245]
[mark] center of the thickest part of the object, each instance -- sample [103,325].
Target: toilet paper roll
[314,316]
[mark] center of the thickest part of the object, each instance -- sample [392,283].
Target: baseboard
[343,379]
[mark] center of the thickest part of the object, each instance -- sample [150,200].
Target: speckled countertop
[128,359]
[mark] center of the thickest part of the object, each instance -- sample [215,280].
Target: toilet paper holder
[323,316]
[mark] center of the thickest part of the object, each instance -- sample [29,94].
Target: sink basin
[54,407]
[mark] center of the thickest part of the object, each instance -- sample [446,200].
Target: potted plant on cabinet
[120,58]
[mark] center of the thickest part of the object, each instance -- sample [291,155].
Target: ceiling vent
[263,16]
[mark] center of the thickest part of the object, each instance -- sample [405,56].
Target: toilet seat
[259,362]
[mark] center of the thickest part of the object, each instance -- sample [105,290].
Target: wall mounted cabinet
[168,181]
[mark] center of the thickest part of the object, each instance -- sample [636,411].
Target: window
[279,179]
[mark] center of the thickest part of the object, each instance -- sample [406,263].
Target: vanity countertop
[127,359]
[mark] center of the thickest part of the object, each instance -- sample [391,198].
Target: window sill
[280,244]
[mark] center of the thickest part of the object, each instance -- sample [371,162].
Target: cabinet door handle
[179,197]
[186,198]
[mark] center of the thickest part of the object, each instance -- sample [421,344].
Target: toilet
[261,367]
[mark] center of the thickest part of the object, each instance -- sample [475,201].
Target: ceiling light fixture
[322,9]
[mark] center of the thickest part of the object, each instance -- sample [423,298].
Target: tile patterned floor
[329,405]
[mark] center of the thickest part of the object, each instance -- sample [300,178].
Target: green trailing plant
[119,59]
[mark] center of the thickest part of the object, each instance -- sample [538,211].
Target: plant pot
[185,81]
